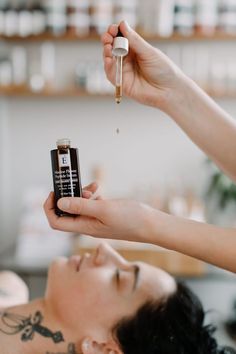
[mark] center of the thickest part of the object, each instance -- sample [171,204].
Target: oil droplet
[117,131]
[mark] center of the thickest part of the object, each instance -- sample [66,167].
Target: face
[96,291]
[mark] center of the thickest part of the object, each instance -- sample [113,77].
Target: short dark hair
[174,326]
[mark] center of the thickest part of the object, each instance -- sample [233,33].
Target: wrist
[178,95]
[156,227]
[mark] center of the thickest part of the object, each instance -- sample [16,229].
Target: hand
[148,75]
[117,219]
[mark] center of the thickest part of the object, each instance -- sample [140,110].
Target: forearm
[206,242]
[207,125]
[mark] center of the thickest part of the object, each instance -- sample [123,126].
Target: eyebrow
[136,277]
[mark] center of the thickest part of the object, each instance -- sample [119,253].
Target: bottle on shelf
[184,17]
[206,17]
[11,19]
[5,72]
[25,28]
[227,16]
[126,10]
[19,66]
[39,19]
[3,4]
[101,14]
[79,17]
[56,16]
[164,18]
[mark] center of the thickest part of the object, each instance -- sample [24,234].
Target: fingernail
[64,204]
[127,26]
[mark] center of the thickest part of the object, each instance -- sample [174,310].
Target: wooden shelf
[66,93]
[70,37]
[76,92]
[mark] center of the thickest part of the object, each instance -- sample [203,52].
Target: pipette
[120,49]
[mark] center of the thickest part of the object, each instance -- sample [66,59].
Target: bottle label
[64,160]
[66,177]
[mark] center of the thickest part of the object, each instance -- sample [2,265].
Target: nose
[106,254]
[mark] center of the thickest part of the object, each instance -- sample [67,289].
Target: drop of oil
[117,131]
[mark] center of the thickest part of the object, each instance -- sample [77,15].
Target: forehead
[155,282]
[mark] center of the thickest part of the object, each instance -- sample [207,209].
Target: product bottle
[3,4]
[184,19]
[10,20]
[39,19]
[25,19]
[207,17]
[56,17]
[66,173]
[79,17]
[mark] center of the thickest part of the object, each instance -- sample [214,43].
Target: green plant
[221,186]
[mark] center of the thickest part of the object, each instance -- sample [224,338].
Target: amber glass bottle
[65,172]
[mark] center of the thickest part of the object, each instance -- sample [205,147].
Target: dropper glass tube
[119,78]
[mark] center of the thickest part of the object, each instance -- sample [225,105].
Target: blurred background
[52,85]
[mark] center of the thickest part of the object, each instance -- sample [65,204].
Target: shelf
[66,93]
[76,92]
[70,37]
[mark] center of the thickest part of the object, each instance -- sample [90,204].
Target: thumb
[136,42]
[80,206]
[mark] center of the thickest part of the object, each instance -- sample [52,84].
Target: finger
[49,208]
[92,187]
[87,194]
[136,42]
[80,206]
[107,38]
[110,69]
[107,51]
[113,30]
[49,203]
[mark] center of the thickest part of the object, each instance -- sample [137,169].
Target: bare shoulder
[13,290]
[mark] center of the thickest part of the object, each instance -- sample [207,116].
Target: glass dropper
[119,78]
[120,49]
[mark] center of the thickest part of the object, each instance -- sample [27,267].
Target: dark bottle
[65,172]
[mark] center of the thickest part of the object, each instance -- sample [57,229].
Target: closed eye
[117,275]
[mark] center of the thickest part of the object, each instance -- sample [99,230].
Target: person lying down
[102,304]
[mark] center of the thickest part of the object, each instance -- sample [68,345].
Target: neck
[33,328]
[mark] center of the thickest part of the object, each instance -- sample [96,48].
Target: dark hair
[174,326]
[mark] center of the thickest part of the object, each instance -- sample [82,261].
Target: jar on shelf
[56,16]
[164,18]
[206,17]
[25,16]
[102,14]
[3,5]
[38,18]
[11,20]
[126,10]
[78,17]
[227,16]
[5,72]
[184,17]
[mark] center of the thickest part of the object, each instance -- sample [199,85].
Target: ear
[91,346]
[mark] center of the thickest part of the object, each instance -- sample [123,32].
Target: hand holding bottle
[148,75]
[117,219]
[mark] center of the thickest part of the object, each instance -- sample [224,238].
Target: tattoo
[70,350]
[27,326]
